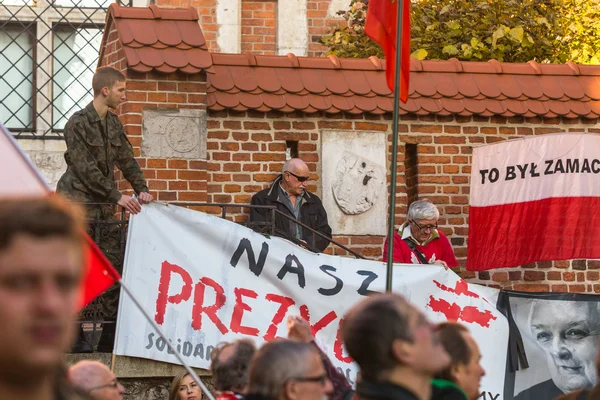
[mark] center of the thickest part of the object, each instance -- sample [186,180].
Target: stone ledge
[132,367]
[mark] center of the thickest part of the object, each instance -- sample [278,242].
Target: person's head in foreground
[393,343]
[230,363]
[465,369]
[184,387]
[288,370]
[423,216]
[96,380]
[567,332]
[41,263]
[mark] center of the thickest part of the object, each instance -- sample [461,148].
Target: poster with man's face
[560,338]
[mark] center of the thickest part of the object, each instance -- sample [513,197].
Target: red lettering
[320,324]
[285,304]
[238,312]
[461,288]
[454,312]
[163,298]
[210,311]
[338,349]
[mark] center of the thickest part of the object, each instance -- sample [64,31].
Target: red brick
[241,178]
[560,288]
[176,98]
[149,86]
[221,177]
[192,175]
[252,125]
[178,185]
[534,276]
[240,136]
[291,136]
[167,196]
[157,185]
[426,128]
[178,164]
[500,277]
[166,174]
[198,185]
[335,125]
[568,276]
[303,125]
[222,135]
[232,167]
[554,275]
[265,177]
[250,146]
[270,157]
[241,157]
[156,163]
[221,156]
[262,137]
[192,196]
[230,146]
[232,125]
[531,287]
[450,140]
[577,288]
[197,164]
[251,167]
[284,125]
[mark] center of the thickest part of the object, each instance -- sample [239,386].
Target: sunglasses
[300,178]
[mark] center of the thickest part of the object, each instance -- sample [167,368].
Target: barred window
[16,75]
[82,3]
[75,59]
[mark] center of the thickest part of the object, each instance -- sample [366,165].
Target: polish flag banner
[20,178]
[534,199]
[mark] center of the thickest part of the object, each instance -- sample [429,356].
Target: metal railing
[91,317]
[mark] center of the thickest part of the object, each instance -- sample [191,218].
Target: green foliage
[554,31]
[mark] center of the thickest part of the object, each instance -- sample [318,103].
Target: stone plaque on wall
[174,133]
[353,177]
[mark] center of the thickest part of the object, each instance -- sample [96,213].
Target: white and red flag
[535,199]
[20,178]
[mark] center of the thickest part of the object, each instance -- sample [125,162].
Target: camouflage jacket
[91,157]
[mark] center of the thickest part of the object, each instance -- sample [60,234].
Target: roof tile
[335,81]
[161,39]
[289,79]
[551,87]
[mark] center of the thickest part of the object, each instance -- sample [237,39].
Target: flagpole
[392,211]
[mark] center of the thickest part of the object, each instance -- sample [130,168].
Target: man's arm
[83,164]
[127,163]
[258,214]
[323,227]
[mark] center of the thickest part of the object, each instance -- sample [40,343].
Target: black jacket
[312,214]
[382,391]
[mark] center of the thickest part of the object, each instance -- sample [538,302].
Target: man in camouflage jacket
[96,143]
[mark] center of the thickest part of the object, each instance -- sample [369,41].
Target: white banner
[206,280]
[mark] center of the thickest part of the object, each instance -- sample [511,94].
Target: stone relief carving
[174,133]
[357,183]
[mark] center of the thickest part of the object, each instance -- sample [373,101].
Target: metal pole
[392,211]
[167,341]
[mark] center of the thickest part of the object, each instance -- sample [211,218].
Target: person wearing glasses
[418,241]
[289,195]
[95,380]
[287,370]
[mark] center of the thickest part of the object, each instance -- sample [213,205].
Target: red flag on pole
[381,27]
[20,178]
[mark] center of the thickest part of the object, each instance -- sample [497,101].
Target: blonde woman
[184,387]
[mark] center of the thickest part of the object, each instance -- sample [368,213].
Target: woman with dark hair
[184,387]
[460,380]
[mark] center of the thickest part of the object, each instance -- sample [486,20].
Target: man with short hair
[461,379]
[229,364]
[96,380]
[96,143]
[418,241]
[287,370]
[41,270]
[289,195]
[395,347]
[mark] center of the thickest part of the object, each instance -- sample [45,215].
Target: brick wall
[319,25]
[207,11]
[168,179]
[259,26]
[247,150]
